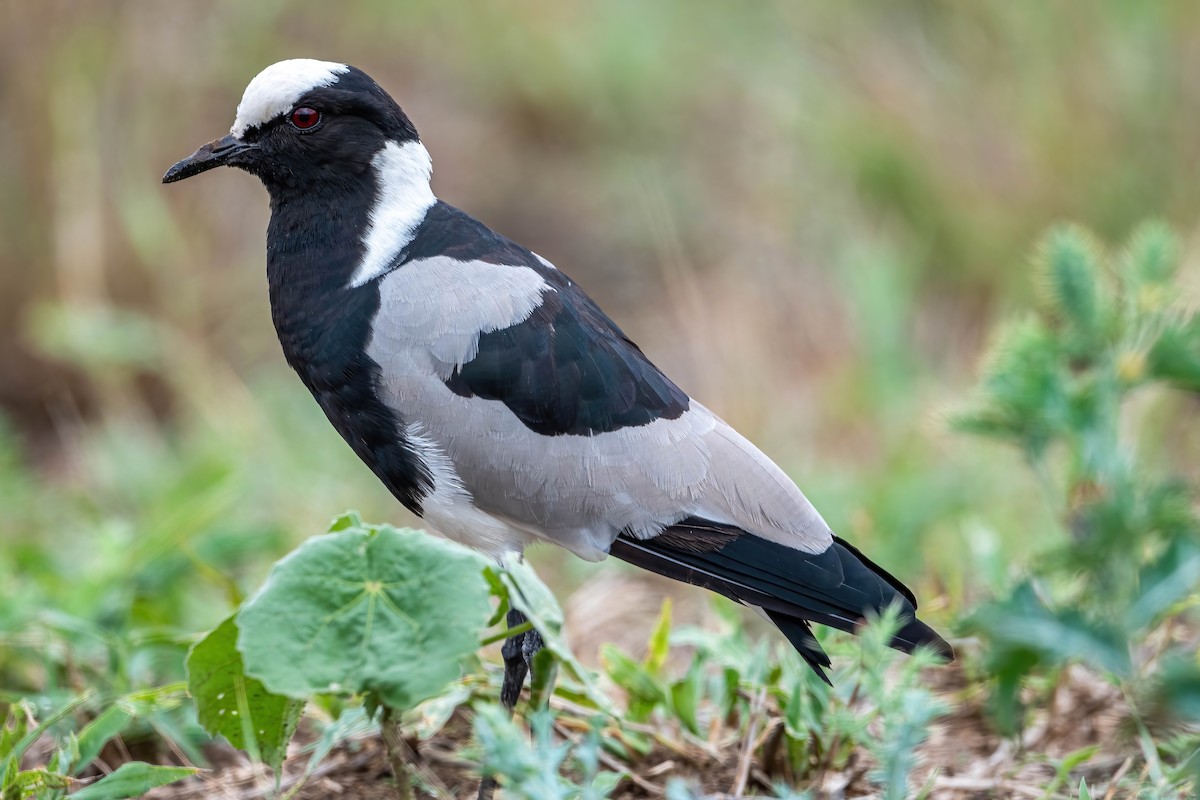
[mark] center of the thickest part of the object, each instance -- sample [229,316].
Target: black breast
[324,328]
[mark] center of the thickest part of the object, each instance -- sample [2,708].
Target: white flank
[449,508]
[402,172]
[275,90]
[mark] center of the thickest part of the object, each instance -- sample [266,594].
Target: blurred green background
[810,214]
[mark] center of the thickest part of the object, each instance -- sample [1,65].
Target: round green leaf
[366,609]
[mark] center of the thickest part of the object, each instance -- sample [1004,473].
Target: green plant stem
[404,761]
[399,753]
[516,630]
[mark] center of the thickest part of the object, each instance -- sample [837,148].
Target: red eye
[304,117]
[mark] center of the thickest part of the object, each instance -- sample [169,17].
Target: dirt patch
[964,758]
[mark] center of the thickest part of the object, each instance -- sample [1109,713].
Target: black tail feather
[837,587]
[800,634]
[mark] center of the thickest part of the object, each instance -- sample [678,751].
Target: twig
[1116,778]
[321,771]
[743,768]
[447,757]
[712,752]
[968,784]
[984,785]
[610,762]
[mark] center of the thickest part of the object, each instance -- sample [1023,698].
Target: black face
[329,136]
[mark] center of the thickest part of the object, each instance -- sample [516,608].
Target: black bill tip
[217,153]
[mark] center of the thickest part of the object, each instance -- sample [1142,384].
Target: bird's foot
[517,663]
[518,653]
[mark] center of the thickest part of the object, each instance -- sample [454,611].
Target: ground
[964,758]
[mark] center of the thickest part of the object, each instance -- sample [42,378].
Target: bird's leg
[516,662]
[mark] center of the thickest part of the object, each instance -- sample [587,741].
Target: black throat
[314,245]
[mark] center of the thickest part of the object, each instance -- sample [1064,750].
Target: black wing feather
[567,368]
[837,587]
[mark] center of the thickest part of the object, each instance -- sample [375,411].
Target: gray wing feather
[576,491]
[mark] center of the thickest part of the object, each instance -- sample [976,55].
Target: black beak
[217,153]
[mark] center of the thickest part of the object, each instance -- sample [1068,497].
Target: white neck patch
[277,88]
[402,172]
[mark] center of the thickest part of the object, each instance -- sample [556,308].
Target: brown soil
[963,759]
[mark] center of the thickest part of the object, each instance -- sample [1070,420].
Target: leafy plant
[535,769]
[366,610]
[76,752]
[877,709]
[1063,385]
[335,619]
[365,613]
[236,706]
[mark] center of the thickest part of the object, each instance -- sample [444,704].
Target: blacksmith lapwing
[492,396]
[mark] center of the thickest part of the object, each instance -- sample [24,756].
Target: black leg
[518,660]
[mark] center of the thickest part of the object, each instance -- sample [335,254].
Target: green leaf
[351,723]
[1174,576]
[91,740]
[1152,255]
[351,519]
[1024,393]
[660,641]
[678,789]
[543,673]
[1023,624]
[132,780]
[500,591]
[1177,690]
[529,595]
[367,609]
[643,686]
[1175,355]
[33,782]
[604,784]
[1080,756]
[13,756]
[1068,272]
[685,696]
[431,716]
[11,732]
[1068,763]
[236,706]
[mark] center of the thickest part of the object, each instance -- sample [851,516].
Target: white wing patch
[499,484]
[402,173]
[277,88]
[438,307]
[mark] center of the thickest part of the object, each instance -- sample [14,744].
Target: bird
[494,398]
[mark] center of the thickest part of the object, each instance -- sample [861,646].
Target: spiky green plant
[1079,386]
